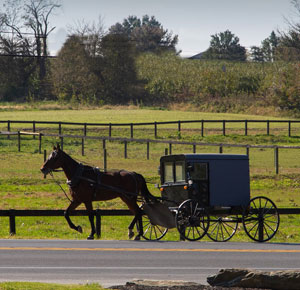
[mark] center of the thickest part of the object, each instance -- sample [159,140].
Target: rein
[59,183]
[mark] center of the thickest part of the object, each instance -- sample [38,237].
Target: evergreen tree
[225,45]
[147,34]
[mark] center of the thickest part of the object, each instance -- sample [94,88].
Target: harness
[75,180]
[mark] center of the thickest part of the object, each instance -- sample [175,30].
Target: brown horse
[88,184]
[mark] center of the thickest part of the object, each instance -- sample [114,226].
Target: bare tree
[31,17]
[289,43]
[91,34]
[37,13]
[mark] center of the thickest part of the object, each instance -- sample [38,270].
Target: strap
[76,178]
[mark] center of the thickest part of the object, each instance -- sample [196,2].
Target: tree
[147,34]
[256,54]
[107,75]
[16,49]
[72,74]
[269,46]
[267,51]
[289,41]
[118,70]
[225,45]
[23,19]
[91,34]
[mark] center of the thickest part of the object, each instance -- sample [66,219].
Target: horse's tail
[145,191]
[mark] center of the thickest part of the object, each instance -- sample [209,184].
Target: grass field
[22,186]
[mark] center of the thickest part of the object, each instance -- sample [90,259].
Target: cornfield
[228,86]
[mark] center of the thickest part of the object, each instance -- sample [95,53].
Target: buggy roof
[205,156]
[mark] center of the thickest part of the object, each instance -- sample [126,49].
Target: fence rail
[223,123]
[13,213]
[168,150]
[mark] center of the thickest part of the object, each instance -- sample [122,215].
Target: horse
[88,184]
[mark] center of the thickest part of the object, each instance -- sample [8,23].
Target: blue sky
[193,20]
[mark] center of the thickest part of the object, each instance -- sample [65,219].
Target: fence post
[12,222]
[248,151]
[82,146]
[98,223]
[246,127]
[268,127]
[179,126]
[19,141]
[45,158]
[194,148]
[33,128]
[155,130]
[290,127]
[131,131]
[8,129]
[202,128]
[40,143]
[276,159]
[170,148]
[62,143]
[104,160]
[125,149]
[221,149]
[148,150]
[261,225]
[224,127]
[104,144]
[59,128]
[84,129]
[109,130]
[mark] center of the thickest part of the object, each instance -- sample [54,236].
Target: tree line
[95,66]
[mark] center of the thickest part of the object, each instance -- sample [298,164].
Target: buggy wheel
[261,219]
[151,232]
[222,228]
[192,221]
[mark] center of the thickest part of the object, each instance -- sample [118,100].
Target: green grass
[46,286]
[22,186]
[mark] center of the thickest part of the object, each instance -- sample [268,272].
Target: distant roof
[197,56]
[205,156]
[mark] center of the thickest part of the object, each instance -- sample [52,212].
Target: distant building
[197,56]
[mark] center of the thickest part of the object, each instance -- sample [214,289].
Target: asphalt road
[116,262]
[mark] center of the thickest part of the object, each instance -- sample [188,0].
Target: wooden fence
[12,214]
[126,141]
[223,125]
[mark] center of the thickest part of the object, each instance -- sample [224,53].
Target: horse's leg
[70,208]
[89,208]
[138,218]
[130,228]
[134,208]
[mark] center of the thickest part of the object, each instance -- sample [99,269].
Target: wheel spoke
[263,217]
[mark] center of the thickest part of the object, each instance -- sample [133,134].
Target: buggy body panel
[214,180]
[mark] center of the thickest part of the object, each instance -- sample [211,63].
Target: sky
[194,21]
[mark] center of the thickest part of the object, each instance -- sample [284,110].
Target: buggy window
[168,172]
[180,171]
[199,172]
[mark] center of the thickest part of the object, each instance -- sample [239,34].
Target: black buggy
[209,194]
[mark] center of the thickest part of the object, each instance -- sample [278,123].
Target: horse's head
[54,160]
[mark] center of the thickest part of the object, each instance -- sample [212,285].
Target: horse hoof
[137,238]
[79,229]
[90,237]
